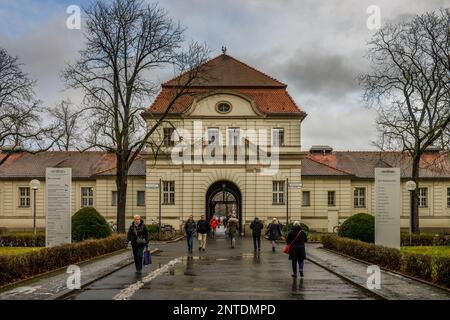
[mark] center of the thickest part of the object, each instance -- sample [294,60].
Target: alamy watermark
[373,22]
[374,279]
[74,280]
[73,22]
[241,146]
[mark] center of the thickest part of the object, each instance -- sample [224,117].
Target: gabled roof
[226,71]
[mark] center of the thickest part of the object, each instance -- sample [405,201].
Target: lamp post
[34,184]
[411,186]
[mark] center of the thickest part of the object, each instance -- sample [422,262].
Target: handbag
[287,248]
[147,257]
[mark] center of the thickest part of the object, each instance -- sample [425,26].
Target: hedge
[18,267]
[425,239]
[22,240]
[426,267]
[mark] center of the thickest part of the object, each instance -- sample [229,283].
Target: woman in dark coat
[274,231]
[138,235]
[297,238]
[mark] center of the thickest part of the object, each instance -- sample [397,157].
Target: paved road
[221,273]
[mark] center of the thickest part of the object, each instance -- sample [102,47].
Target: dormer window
[223,107]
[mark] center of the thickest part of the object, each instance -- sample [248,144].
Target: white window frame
[308,204]
[276,141]
[423,197]
[331,203]
[88,199]
[138,204]
[168,141]
[233,138]
[278,190]
[24,197]
[359,198]
[114,199]
[168,192]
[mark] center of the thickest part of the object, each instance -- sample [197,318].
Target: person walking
[189,229]
[232,227]
[203,229]
[256,227]
[274,231]
[213,224]
[297,254]
[138,235]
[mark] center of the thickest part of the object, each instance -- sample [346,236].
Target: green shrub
[425,239]
[87,223]
[18,267]
[152,228]
[430,268]
[360,226]
[285,230]
[24,239]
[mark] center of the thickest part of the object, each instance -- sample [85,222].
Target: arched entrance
[222,198]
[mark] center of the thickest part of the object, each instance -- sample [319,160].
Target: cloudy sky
[316,47]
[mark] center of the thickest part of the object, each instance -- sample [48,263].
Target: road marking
[129,291]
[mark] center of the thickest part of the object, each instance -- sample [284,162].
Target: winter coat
[203,226]
[232,227]
[190,227]
[137,232]
[298,245]
[256,227]
[274,231]
[213,223]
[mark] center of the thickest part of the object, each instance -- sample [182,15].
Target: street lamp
[34,184]
[411,186]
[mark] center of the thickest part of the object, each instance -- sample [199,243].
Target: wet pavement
[221,273]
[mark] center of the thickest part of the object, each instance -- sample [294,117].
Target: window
[423,197]
[234,136]
[24,197]
[168,192]
[306,202]
[331,198]
[141,198]
[114,199]
[223,107]
[448,197]
[87,197]
[213,135]
[360,198]
[168,141]
[278,136]
[278,192]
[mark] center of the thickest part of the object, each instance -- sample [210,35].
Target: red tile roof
[227,73]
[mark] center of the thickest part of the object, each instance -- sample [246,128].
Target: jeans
[190,241]
[294,265]
[256,242]
[202,240]
[138,254]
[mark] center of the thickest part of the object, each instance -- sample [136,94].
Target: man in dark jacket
[297,238]
[138,235]
[203,229]
[256,227]
[274,232]
[190,228]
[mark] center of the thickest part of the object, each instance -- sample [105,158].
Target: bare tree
[409,84]
[126,41]
[20,121]
[67,133]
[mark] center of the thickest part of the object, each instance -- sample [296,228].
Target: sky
[317,48]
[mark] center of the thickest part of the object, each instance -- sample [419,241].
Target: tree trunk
[415,208]
[121,183]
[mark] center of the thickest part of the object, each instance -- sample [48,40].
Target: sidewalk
[54,285]
[393,286]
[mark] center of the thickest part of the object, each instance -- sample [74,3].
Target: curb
[393,272]
[168,241]
[351,281]
[69,292]
[12,285]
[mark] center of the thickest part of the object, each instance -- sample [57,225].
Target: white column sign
[387,207]
[58,189]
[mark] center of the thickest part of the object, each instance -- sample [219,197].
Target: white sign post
[387,207]
[58,190]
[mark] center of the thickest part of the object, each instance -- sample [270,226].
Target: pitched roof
[227,73]
[84,165]
[362,164]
